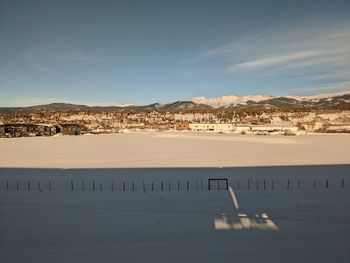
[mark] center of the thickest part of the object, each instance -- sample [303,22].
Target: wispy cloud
[324,87]
[319,53]
[271,61]
[34,59]
[47,57]
[333,75]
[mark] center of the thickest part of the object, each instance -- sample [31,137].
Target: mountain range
[339,100]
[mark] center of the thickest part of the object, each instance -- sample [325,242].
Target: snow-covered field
[173,149]
[288,198]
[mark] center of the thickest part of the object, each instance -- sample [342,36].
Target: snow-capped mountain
[236,101]
[338,100]
[319,96]
[229,100]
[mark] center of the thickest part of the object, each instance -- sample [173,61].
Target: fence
[171,185]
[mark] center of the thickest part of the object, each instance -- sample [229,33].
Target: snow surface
[142,223]
[173,149]
[84,226]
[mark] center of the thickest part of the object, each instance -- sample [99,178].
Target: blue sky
[140,52]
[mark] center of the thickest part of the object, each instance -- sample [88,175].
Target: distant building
[267,128]
[46,130]
[2,130]
[215,127]
[26,130]
[70,129]
[313,125]
[182,126]
[339,128]
[136,125]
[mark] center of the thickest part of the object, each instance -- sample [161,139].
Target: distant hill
[178,105]
[342,101]
[326,101]
[52,107]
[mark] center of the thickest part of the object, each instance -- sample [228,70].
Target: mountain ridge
[232,99]
[260,101]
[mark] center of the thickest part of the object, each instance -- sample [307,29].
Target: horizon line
[48,101]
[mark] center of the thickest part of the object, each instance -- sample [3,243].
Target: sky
[141,52]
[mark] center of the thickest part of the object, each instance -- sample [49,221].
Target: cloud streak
[319,53]
[47,57]
[271,61]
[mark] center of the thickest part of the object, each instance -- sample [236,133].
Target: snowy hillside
[234,100]
[319,96]
[229,100]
